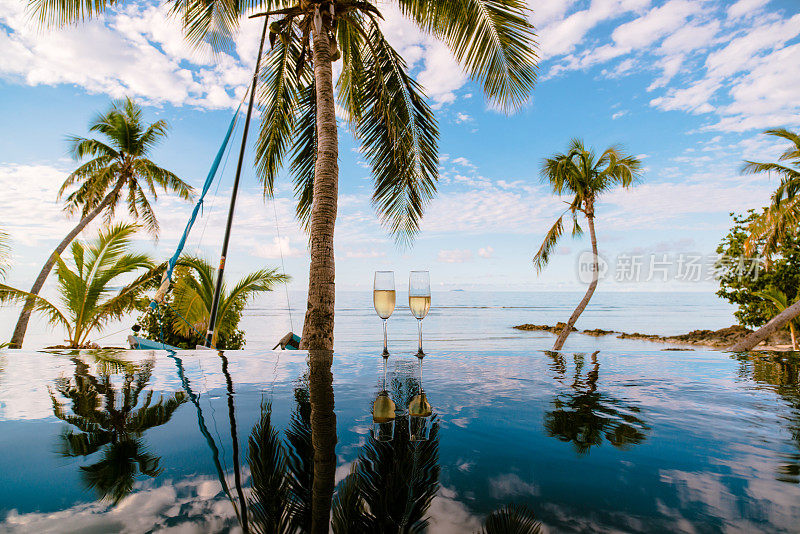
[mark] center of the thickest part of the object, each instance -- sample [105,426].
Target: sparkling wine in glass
[419,299]
[383,298]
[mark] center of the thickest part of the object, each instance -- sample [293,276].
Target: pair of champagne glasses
[419,300]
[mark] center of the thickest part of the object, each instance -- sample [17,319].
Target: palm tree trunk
[25,315]
[562,337]
[777,322]
[323,439]
[794,335]
[318,325]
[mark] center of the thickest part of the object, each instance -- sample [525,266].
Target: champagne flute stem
[384,373]
[420,354]
[385,341]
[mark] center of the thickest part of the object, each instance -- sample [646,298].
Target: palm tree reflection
[111,420]
[781,374]
[585,416]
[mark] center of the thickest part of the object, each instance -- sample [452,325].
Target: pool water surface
[138,441]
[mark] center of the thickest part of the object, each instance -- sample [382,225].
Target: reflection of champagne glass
[419,413]
[419,299]
[383,299]
[383,413]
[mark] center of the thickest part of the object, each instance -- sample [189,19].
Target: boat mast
[212,320]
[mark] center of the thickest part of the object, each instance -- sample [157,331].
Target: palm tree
[113,422]
[119,171]
[780,219]
[584,176]
[779,302]
[382,104]
[585,416]
[194,291]
[87,300]
[783,215]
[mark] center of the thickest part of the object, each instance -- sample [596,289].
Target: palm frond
[304,154]
[57,13]
[209,21]
[270,494]
[511,519]
[279,90]
[491,39]
[399,134]
[547,247]
[5,253]
[41,305]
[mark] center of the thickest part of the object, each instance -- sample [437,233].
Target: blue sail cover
[206,186]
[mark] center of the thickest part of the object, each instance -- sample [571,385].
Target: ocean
[458,320]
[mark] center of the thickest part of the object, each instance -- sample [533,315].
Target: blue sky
[687,85]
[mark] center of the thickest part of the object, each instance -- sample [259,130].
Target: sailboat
[290,341]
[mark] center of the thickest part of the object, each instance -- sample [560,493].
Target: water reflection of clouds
[194,505]
[27,375]
[508,485]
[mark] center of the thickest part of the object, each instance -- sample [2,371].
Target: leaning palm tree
[584,176]
[383,105]
[194,291]
[118,171]
[779,302]
[112,423]
[87,300]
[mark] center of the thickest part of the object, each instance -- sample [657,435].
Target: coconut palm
[780,302]
[587,417]
[118,171]
[87,300]
[383,105]
[194,291]
[585,177]
[783,215]
[111,422]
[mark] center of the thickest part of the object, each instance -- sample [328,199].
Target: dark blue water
[616,441]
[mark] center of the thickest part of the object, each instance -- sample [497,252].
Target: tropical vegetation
[776,226]
[384,106]
[743,275]
[585,177]
[111,422]
[86,286]
[118,171]
[182,319]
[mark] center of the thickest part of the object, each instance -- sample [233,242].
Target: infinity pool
[136,441]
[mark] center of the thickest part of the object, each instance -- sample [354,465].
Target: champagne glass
[383,298]
[419,299]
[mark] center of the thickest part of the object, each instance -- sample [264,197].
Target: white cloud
[139,50]
[462,118]
[619,114]
[454,256]
[745,8]
[365,254]
[273,250]
[486,252]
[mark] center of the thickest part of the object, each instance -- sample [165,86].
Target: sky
[686,85]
